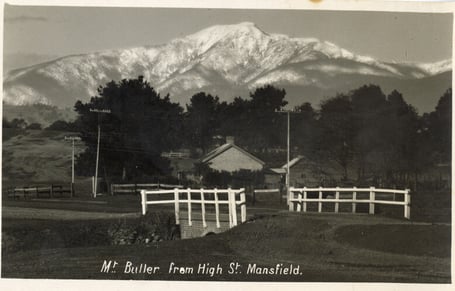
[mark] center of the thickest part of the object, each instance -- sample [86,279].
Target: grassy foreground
[324,247]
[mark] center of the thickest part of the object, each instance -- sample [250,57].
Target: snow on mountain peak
[222,56]
[437,67]
[207,37]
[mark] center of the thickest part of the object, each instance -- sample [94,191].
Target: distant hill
[229,61]
[36,156]
[38,113]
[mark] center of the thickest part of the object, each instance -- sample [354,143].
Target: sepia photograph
[226,144]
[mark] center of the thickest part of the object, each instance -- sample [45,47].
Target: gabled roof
[278,170]
[292,162]
[282,169]
[221,149]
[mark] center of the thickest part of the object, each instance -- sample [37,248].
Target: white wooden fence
[205,197]
[299,198]
[136,188]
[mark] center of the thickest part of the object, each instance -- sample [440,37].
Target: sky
[36,34]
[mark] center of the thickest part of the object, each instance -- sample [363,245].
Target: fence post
[112,189]
[372,199]
[337,198]
[204,223]
[52,191]
[144,202]
[93,187]
[217,208]
[177,206]
[229,208]
[407,204]
[254,197]
[304,199]
[320,200]
[354,198]
[232,208]
[72,190]
[243,205]
[299,203]
[190,223]
[290,198]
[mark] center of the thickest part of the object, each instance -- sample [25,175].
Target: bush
[35,126]
[153,227]
[61,125]
[223,179]
[17,123]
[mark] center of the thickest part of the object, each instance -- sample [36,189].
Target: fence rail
[187,197]
[37,191]
[299,198]
[136,188]
[179,155]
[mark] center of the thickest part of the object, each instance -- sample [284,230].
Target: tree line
[366,132]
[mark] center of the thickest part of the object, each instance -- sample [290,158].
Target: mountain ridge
[221,59]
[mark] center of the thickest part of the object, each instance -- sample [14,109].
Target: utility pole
[72,138]
[288,168]
[98,147]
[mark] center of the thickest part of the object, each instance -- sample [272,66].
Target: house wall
[309,174]
[273,181]
[234,160]
[302,176]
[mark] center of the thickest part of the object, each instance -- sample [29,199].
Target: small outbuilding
[304,172]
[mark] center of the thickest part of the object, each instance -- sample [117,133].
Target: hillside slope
[36,156]
[227,60]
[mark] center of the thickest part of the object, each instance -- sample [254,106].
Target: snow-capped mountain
[230,61]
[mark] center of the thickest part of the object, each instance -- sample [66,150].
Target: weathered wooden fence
[179,155]
[300,197]
[136,188]
[38,191]
[202,197]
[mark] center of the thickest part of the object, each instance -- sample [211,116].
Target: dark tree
[254,122]
[18,123]
[264,126]
[6,123]
[140,126]
[439,128]
[304,129]
[336,122]
[201,120]
[403,150]
[370,112]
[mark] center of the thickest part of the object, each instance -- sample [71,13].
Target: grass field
[69,238]
[327,247]
[36,156]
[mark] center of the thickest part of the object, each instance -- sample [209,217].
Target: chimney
[230,139]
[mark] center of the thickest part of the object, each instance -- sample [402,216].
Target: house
[304,172]
[231,158]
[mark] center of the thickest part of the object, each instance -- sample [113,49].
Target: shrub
[61,125]
[35,126]
[223,179]
[152,227]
